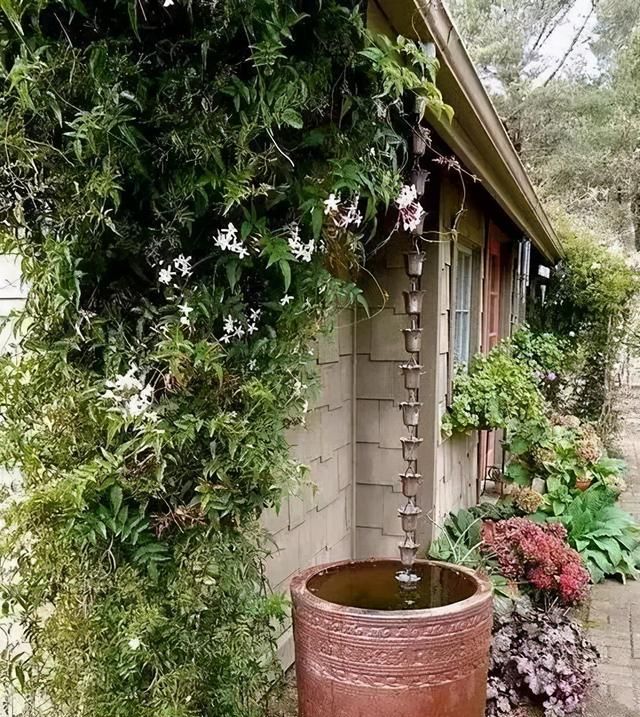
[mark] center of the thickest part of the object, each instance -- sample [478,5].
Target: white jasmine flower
[185,310]
[167,3]
[406,197]
[252,328]
[331,204]
[299,387]
[183,265]
[411,212]
[252,365]
[286,299]
[131,396]
[349,215]
[228,240]
[228,324]
[166,275]
[134,643]
[254,314]
[300,250]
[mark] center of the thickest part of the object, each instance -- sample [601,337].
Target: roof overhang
[476,134]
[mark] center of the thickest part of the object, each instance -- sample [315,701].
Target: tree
[578,134]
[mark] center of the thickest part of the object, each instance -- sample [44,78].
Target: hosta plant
[606,536]
[539,656]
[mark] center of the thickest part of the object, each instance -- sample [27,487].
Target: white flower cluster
[411,212]
[132,395]
[345,214]
[181,265]
[300,250]
[241,326]
[228,240]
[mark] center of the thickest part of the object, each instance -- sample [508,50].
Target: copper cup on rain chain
[419,141]
[411,373]
[412,340]
[413,263]
[408,552]
[410,484]
[409,515]
[413,301]
[419,180]
[410,448]
[418,230]
[410,412]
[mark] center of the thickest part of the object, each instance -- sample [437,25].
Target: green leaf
[286,273]
[518,473]
[115,497]
[132,9]
[231,269]
[11,11]
[612,548]
[292,118]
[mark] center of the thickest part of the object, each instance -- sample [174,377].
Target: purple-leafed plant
[539,656]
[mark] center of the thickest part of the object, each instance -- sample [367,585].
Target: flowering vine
[189,209]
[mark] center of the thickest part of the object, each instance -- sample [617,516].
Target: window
[462,326]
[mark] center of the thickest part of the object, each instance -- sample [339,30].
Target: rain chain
[412,370]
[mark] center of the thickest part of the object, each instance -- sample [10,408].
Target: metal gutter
[476,135]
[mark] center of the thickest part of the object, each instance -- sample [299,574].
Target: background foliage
[589,305]
[573,114]
[183,181]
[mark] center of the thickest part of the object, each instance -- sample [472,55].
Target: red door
[491,334]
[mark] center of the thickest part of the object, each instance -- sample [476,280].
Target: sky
[560,40]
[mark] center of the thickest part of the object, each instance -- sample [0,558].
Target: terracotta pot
[583,483]
[358,654]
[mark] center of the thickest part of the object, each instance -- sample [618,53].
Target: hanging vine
[189,186]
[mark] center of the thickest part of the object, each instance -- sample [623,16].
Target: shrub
[588,305]
[561,452]
[544,353]
[539,656]
[538,554]
[460,542]
[495,390]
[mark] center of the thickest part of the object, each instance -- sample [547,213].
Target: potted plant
[583,480]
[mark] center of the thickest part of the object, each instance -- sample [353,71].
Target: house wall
[315,526]
[456,458]
[380,389]
[12,293]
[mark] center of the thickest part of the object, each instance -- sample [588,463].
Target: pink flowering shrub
[538,554]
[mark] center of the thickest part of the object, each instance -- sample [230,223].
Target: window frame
[463,294]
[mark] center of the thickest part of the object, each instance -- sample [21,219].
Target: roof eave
[477,135]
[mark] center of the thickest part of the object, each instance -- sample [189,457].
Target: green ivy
[190,186]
